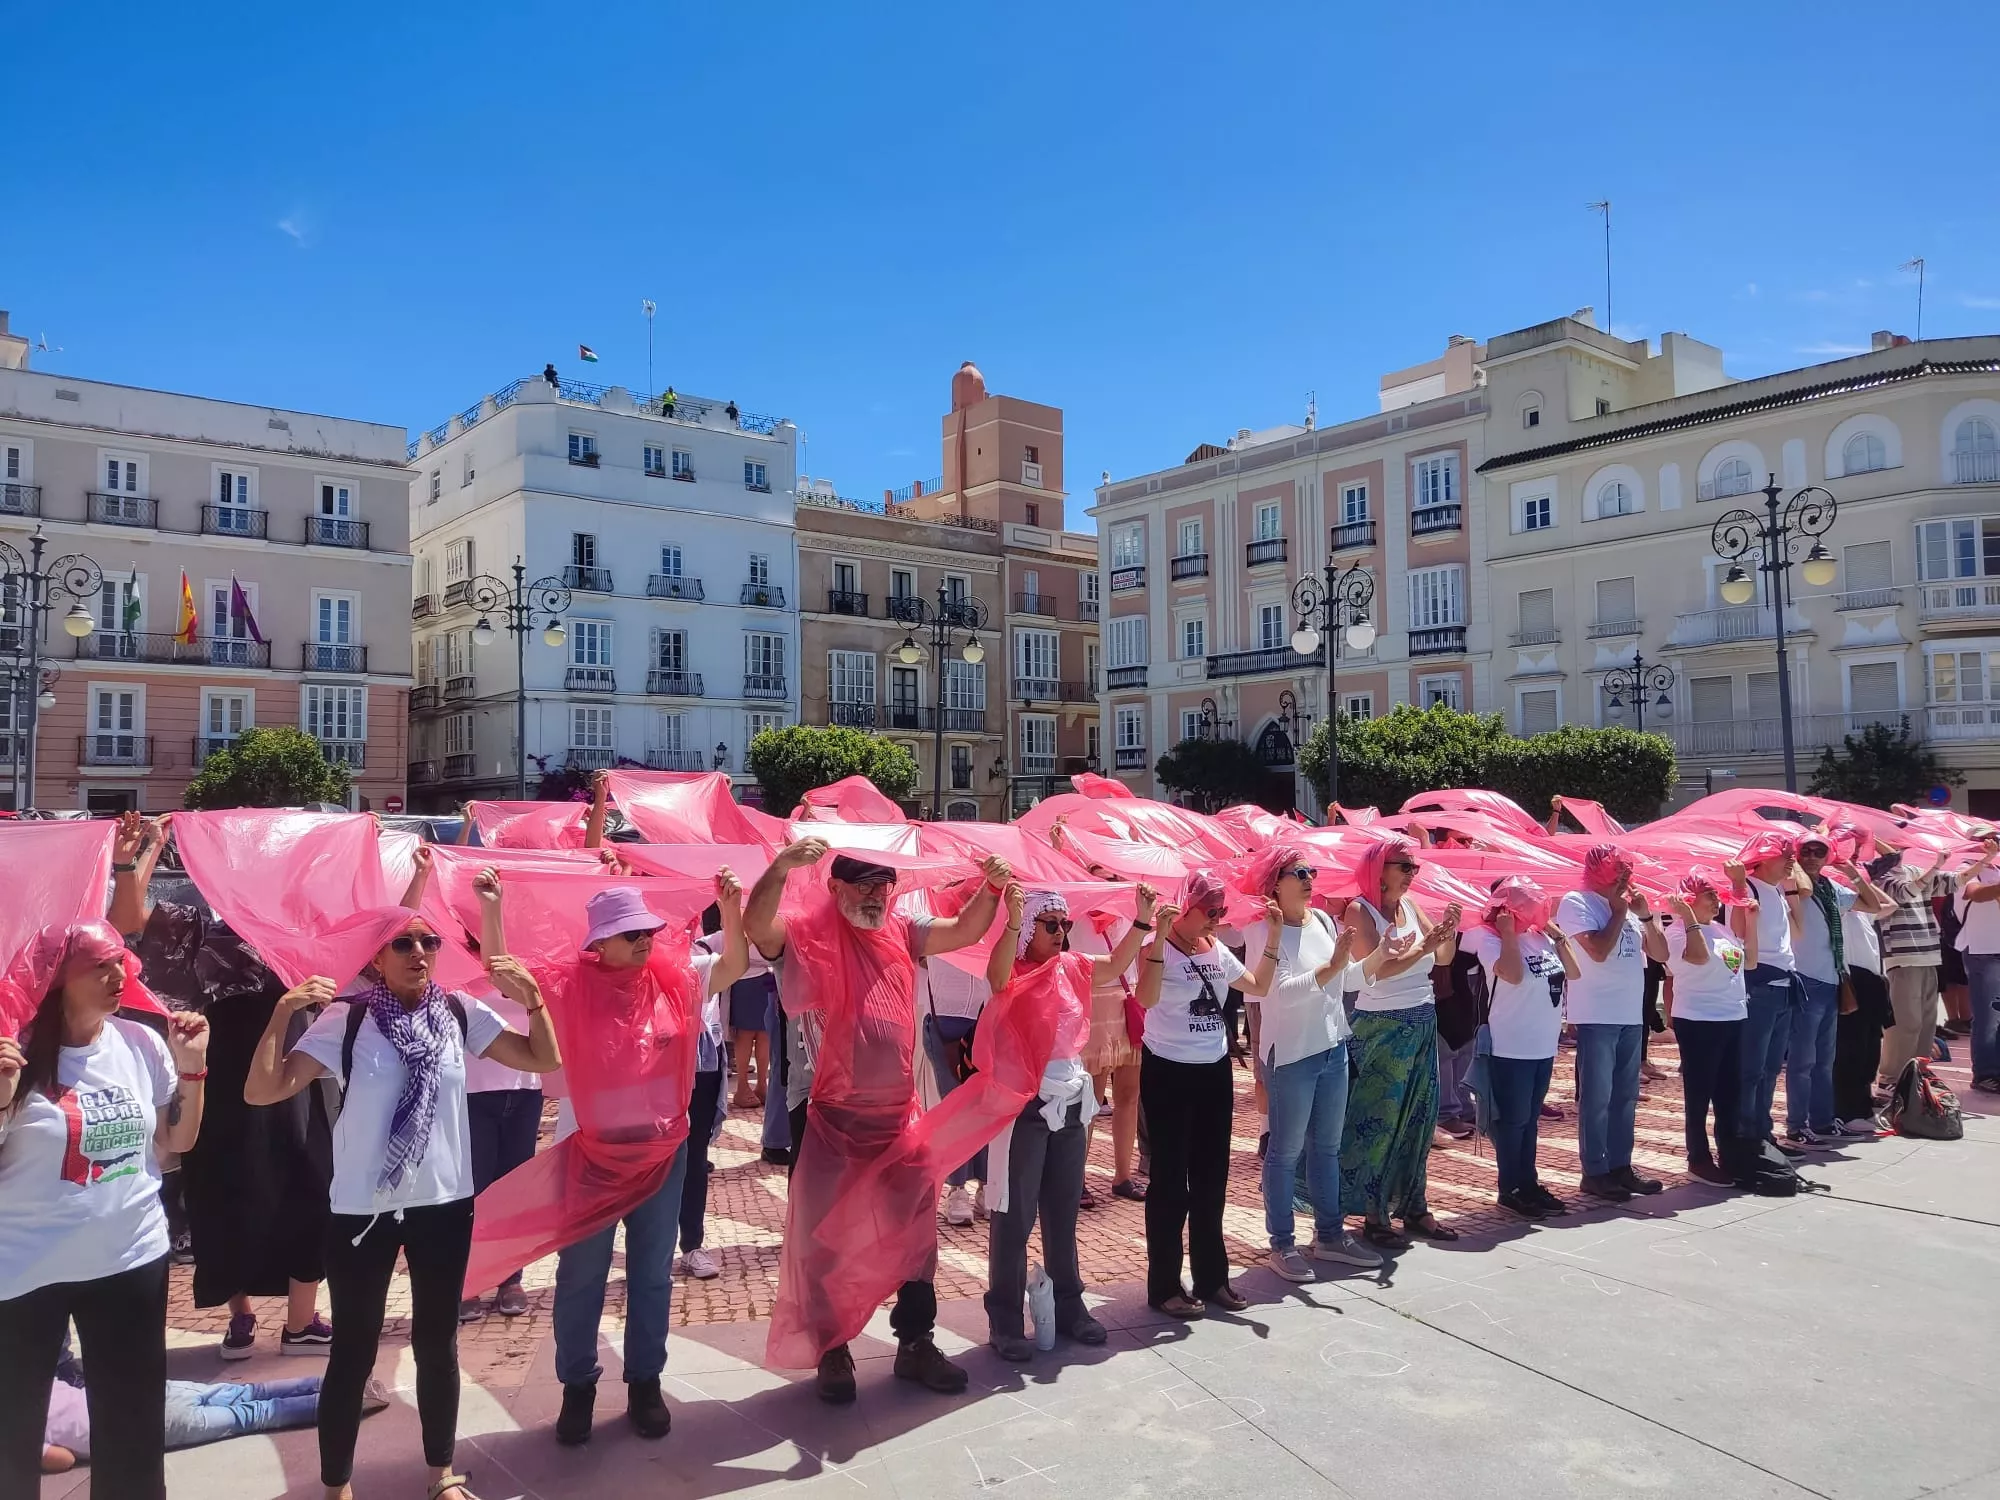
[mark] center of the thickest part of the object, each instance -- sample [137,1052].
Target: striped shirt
[1910,937]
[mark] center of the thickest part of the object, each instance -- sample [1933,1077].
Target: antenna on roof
[1312,410]
[1916,263]
[1603,206]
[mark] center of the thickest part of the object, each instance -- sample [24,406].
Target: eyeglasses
[1055,925]
[1213,913]
[1299,872]
[430,942]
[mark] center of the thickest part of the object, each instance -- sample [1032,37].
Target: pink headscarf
[54,956]
[1604,867]
[1770,844]
[1259,878]
[1527,902]
[1368,873]
[1203,890]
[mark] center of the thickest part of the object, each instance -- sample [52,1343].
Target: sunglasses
[1299,872]
[634,936]
[1213,913]
[1055,925]
[1407,866]
[430,942]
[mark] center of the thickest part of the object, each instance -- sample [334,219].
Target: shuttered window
[1713,699]
[1538,712]
[1872,688]
[1866,566]
[1538,612]
[1764,695]
[1617,599]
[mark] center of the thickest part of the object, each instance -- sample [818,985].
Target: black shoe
[777,1156]
[1609,1188]
[836,1377]
[1551,1204]
[922,1361]
[645,1410]
[1792,1153]
[1645,1186]
[1086,1330]
[1709,1172]
[573,1425]
[1519,1202]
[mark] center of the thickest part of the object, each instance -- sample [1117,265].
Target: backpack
[1921,1107]
[1761,1168]
[357,1012]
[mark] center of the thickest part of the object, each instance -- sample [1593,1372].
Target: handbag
[1135,1013]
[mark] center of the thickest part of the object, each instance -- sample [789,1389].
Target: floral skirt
[1391,1112]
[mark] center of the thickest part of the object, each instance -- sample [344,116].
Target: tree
[1214,773]
[790,762]
[1879,767]
[278,766]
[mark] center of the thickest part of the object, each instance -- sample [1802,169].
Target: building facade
[862,569]
[292,532]
[672,537]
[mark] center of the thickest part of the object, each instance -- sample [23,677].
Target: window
[1353,503]
[1194,638]
[1038,742]
[1190,724]
[1270,627]
[1615,498]
[683,464]
[1538,711]
[1128,547]
[1091,582]
[121,474]
[234,496]
[1711,700]
[1031,584]
[1538,513]
[583,549]
[1538,617]
[590,728]
[334,619]
[846,578]
[1617,601]
[1035,659]
[121,607]
[334,713]
[902,583]
[1964,548]
[1033,454]
[756,723]
[456,646]
[336,501]
[956,587]
[437,483]
[1130,726]
[1531,415]
[1093,747]
[1874,687]
[964,686]
[1126,641]
[1189,539]
[850,677]
[1865,567]
[458,560]
[115,718]
[465,478]
[760,570]
[12,462]
[582,448]
[670,732]
[1603,407]
[670,561]
[1864,453]
[1091,662]
[764,657]
[754,476]
[1267,522]
[1034,514]
[670,651]
[229,630]
[1435,691]
[961,768]
[1975,451]
[458,734]
[590,643]
[1732,477]
[1359,705]
[903,694]
[1435,481]
[1437,597]
[656,461]
[1961,676]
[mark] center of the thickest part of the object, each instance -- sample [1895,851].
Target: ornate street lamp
[1338,605]
[944,621]
[518,606]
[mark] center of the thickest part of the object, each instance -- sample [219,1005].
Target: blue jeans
[1809,1068]
[583,1268]
[777,1117]
[1607,1093]
[1982,973]
[1767,1033]
[1454,1067]
[953,1029]
[208,1413]
[1308,1111]
[1519,1085]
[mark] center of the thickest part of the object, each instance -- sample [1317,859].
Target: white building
[674,538]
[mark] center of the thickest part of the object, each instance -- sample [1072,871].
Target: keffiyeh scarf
[419,1034]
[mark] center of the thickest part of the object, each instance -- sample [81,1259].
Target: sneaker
[375,1396]
[1519,1202]
[183,1253]
[1010,1347]
[1086,1330]
[775,1156]
[835,1381]
[979,1208]
[1288,1263]
[1633,1182]
[700,1264]
[1808,1139]
[1860,1126]
[315,1338]
[1790,1153]
[1347,1251]
[1552,1112]
[1608,1188]
[573,1422]
[1986,1085]
[470,1309]
[1949,1033]
[646,1410]
[512,1301]
[240,1342]
[1129,1190]
[958,1207]
[1709,1172]
[1551,1204]
[922,1361]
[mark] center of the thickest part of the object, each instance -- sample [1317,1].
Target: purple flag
[239,610]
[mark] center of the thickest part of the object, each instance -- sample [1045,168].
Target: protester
[402,1171]
[1458,989]
[1393,1102]
[1866,1012]
[1616,932]
[1912,949]
[1040,1155]
[749,1001]
[1978,906]
[1820,953]
[1770,862]
[948,1003]
[850,969]
[1529,961]
[1112,1056]
[1302,1031]
[1187,1093]
[705,1102]
[89,1103]
[196,1414]
[1709,962]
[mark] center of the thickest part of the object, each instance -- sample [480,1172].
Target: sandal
[1427,1227]
[1088,1200]
[1183,1307]
[1385,1236]
[1129,1190]
[446,1482]
[1228,1298]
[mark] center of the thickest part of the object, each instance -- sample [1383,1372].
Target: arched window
[962,812]
[1732,477]
[1615,499]
[1976,452]
[1864,454]
[1274,746]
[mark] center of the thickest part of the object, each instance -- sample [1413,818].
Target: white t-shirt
[1979,921]
[1413,986]
[1863,941]
[79,1182]
[1299,1018]
[1813,950]
[1526,1017]
[1774,928]
[1712,991]
[68,1424]
[485,1076]
[1185,1025]
[1611,993]
[443,1174]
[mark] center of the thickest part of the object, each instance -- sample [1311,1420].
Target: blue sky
[1170,220]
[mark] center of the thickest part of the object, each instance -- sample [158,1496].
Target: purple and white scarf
[419,1036]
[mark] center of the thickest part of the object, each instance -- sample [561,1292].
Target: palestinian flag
[587,354]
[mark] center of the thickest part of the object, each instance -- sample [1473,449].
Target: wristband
[194,1077]
[118,869]
[1142,926]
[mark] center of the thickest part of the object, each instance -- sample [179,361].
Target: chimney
[1882,338]
[14,347]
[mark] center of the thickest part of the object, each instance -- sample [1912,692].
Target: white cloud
[293,225]
[1749,290]
[1985,304]
[1832,349]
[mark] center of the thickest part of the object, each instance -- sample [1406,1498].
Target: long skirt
[1391,1111]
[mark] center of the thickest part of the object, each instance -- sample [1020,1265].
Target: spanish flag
[190,626]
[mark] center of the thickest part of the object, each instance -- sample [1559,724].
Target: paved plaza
[1695,1344]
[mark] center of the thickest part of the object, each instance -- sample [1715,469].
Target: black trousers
[915,1314]
[504,1125]
[1711,1074]
[701,1130]
[122,1322]
[1857,1046]
[435,1241]
[1188,1108]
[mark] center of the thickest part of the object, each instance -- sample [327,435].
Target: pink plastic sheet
[1135,820]
[57,874]
[530,825]
[694,808]
[1099,788]
[1591,817]
[1503,810]
[1033,861]
[855,799]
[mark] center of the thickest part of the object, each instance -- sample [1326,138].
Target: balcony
[423,697]
[1051,690]
[1125,579]
[763,684]
[665,684]
[1438,640]
[1436,520]
[584,458]
[1194,565]
[206,745]
[235,520]
[591,757]
[587,580]
[1353,536]
[165,648]
[673,586]
[590,680]
[423,606]
[1125,677]
[1548,635]
[1038,761]
[236,651]
[1268,659]
[659,759]
[763,596]
[1263,553]
[336,531]
[460,767]
[1976,468]
[1810,732]
[1868,599]
[425,772]
[846,602]
[852,715]
[1961,721]
[320,656]
[122,510]
[1724,627]
[1031,474]
[1035,604]
[684,473]
[104,749]
[1974,599]
[1599,630]
[1087,611]
[1130,757]
[925,719]
[458,593]
[459,688]
[349,753]
[20,499]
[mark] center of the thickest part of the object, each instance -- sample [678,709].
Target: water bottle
[1042,1306]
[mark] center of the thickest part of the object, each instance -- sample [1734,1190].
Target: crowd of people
[378,1095]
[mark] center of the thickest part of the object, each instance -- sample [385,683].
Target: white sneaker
[979,1209]
[699,1264]
[1289,1264]
[958,1207]
[1347,1251]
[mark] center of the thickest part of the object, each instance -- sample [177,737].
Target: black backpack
[1761,1168]
[357,1012]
